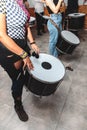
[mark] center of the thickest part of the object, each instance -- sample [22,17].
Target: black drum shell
[45,19]
[64,46]
[40,88]
[76,23]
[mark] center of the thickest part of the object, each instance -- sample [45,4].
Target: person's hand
[43,1]
[28,63]
[61,1]
[47,2]
[35,48]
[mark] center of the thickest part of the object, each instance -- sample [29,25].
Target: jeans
[17,76]
[53,33]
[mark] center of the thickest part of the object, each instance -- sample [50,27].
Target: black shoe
[21,113]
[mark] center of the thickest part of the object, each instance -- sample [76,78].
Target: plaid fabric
[15,18]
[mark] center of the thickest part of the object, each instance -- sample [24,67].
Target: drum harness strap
[55,25]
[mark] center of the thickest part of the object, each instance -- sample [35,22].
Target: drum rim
[46,17]
[69,41]
[47,81]
[61,51]
[72,15]
[34,19]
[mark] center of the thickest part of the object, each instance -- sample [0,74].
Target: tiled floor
[65,110]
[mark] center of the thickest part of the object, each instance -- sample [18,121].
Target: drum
[67,42]
[47,74]
[76,21]
[32,21]
[46,18]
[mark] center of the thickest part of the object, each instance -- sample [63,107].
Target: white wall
[31,3]
[80,2]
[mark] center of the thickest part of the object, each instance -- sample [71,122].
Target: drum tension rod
[69,68]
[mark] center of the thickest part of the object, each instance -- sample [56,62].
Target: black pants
[17,76]
[40,21]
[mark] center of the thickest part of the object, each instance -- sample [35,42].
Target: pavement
[66,109]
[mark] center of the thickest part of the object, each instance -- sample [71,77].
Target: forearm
[33,46]
[52,6]
[29,35]
[10,44]
[57,8]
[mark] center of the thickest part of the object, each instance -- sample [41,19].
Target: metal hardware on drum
[46,76]
[69,68]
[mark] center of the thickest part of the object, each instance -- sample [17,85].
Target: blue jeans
[53,33]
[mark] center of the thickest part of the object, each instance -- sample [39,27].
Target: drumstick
[33,53]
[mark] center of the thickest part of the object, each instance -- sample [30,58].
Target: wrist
[31,43]
[24,55]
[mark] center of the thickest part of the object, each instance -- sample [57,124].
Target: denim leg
[53,33]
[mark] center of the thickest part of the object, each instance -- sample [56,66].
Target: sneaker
[21,113]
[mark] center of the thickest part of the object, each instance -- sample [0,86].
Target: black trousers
[40,21]
[17,76]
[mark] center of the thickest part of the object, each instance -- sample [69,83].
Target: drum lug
[69,68]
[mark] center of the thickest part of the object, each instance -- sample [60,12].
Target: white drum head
[46,17]
[76,15]
[70,37]
[32,19]
[47,68]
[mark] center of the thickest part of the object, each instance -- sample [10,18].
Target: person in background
[14,49]
[39,12]
[26,4]
[53,7]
